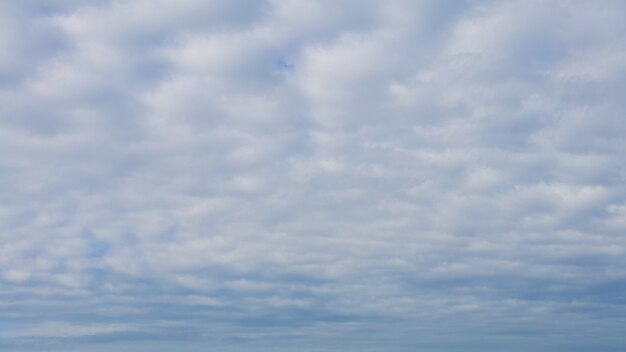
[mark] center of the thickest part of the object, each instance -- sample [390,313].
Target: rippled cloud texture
[287,175]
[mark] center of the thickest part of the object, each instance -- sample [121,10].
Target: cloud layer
[289,175]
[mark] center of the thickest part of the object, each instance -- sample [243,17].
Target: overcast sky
[291,175]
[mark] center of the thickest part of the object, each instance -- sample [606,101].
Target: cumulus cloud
[287,175]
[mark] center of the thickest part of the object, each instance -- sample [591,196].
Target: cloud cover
[290,175]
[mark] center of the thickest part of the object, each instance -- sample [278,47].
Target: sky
[282,175]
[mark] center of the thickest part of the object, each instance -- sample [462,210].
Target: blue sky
[308,176]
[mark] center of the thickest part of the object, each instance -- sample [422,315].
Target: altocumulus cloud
[312,175]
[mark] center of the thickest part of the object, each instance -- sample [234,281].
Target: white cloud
[328,175]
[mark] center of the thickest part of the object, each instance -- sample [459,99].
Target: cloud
[288,175]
